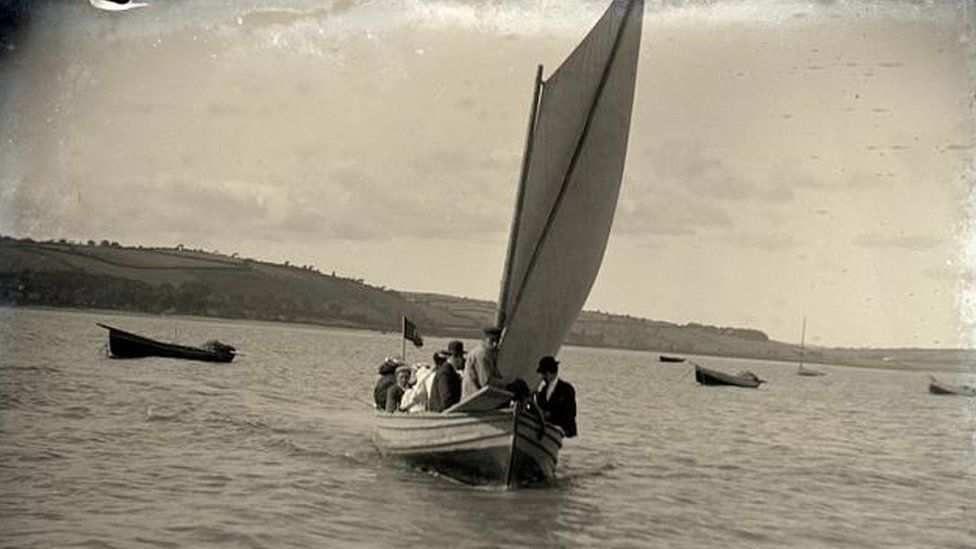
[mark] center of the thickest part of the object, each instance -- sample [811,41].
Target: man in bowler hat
[555,397]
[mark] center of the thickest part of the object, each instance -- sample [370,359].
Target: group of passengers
[421,387]
[453,377]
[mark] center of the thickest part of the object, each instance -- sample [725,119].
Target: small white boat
[507,447]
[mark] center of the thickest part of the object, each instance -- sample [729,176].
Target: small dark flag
[410,333]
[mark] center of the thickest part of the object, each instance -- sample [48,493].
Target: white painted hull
[801,371]
[475,448]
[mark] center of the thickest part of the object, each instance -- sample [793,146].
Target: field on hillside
[196,282]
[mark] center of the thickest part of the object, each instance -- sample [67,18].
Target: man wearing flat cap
[555,397]
[481,368]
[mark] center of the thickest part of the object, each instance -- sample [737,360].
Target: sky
[787,159]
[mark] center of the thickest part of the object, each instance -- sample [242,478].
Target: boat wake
[574,475]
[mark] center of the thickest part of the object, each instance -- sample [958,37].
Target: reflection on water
[275,450]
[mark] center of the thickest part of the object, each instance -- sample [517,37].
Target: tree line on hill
[75,289]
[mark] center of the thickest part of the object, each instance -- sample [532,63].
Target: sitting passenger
[445,390]
[395,393]
[415,399]
[387,371]
[456,351]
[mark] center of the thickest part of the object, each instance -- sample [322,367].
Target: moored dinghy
[937,387]
[705,376]
[122,344]
[578,129]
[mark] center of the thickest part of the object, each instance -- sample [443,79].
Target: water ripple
[275,451]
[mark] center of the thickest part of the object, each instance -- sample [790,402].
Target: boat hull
[939,388]
[122,344]
[666,358]
[704,376]
[475,448]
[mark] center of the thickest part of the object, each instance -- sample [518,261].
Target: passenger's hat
[547,364]
[455,347]
[389,365]
[403,368]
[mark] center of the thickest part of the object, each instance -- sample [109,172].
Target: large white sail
[569,195]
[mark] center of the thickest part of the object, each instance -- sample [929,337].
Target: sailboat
[572,165]
[801,370]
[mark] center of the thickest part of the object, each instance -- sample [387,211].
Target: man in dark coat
[446,390]
[555,397]
[456,351]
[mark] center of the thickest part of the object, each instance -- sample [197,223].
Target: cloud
[452,192]
[686,167]
[778,12]
[916,243]
[665,212]
[963,276]
[759,241]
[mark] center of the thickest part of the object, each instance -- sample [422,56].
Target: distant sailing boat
[579,124]
[801,370]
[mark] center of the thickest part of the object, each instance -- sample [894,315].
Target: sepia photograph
[488,273]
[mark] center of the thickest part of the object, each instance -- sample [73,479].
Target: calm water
[275,451]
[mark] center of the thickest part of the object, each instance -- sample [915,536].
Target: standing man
[555,397]
[481,368]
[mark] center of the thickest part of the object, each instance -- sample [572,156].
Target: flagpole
[403,339]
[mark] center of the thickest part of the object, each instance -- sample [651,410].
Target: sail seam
[572,165]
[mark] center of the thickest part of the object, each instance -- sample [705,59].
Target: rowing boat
[937,387]
[705,376]
[123,344]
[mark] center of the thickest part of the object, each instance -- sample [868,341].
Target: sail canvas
[579,145]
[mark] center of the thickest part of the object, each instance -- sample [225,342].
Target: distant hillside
[464,316]
[106,275]
[177,281]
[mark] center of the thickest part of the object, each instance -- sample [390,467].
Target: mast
[500,315]
[803,337]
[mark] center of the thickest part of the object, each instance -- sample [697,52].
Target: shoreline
[943,368]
